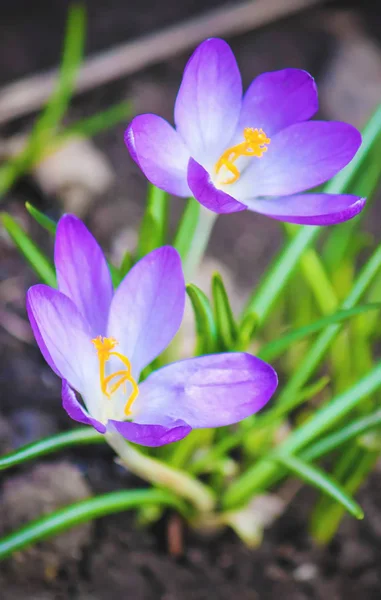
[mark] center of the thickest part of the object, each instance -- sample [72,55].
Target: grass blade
[82,512]
[153,229]
[266,472]
[36,258]
[344,434]
[226,326]
[320,480]
[48,122]
[187,227]
[283,266]
[76,437]
[41,219]
[273,349]
[205,324]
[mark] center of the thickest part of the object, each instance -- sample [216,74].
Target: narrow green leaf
[205,324]
[36,258]
[76,437]
[246,331]
[265,472]
[47,123]
[226,327]
[126,264]
[284,264]
[327,515]
[273,349]
[317,478]
[45,222]
[340,239]
[71,59]
[82,512]
[317,351]
[91,126]
[187,227]
[345,434]
[153,230]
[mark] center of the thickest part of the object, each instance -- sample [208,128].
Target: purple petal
[62,334]
[278,99]
[152,435]
[209,100]
[148,307]
[310,209]
[207,194]
[76,411]
[82,272]
[208,391]
[160,153]
[298,158]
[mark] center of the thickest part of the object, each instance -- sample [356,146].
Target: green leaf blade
[320,480]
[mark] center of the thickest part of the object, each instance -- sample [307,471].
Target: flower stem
[199,243]
[158,473]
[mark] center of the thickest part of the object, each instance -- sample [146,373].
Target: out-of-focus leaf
[153,229]
[319,479]
[246,331]
[273,349]
[47,123]
[284,264]
[82,512]
[205,324]
[227,330]
[90,126]
[35,257]
[187,227]
[76,437]
[41,219]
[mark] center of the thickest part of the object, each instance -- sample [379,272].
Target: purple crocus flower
[99,341]
[255,152]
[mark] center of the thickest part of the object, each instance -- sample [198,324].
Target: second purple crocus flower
[98,342]
[256,152]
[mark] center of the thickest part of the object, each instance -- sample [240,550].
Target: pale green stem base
[199,243]
[158,473]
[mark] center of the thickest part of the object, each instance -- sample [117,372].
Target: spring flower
[98,342]
[255,152]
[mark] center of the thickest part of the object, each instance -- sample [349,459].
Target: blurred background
[339,43]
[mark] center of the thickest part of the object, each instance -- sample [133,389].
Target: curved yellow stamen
[255,144]
[104,347]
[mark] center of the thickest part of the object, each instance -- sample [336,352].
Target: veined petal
[148,306]
[82,272]
[160,153]
[278,99]
[208,391]
[209,100]
[310,209]
[76,411]
[63,335]
[207,194]
[298,158]
[152,435]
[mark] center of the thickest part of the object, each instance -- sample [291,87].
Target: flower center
[111,383]
[254,144]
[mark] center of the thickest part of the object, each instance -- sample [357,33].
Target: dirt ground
[340,45]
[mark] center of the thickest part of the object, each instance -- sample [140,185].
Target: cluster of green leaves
[314,315]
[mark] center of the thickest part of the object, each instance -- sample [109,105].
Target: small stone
[305,572]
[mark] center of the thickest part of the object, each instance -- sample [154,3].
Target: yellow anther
[104,347]
[255,144]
